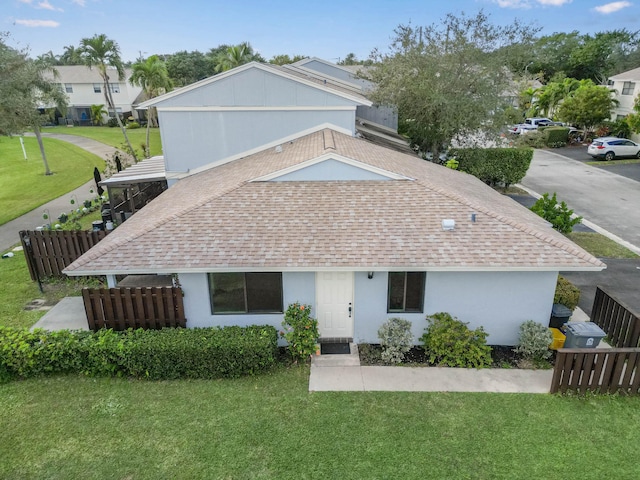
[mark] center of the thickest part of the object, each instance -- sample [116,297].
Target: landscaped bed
[501,357]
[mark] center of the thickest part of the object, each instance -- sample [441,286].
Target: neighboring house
[84,87]
[242,110]
[361,232]
[627,89]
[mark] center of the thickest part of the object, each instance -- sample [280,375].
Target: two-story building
[84,87]
[627,89]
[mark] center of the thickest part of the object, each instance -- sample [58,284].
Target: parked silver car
[608,148]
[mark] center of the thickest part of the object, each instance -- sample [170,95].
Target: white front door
[334,304]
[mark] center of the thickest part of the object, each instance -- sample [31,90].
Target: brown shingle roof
[219,219]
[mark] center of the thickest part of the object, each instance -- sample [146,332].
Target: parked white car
[529,125]
[608,148]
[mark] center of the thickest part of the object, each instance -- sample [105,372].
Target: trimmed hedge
[556,137]
[494,166]
[155,354]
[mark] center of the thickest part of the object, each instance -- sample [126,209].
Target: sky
[329,29]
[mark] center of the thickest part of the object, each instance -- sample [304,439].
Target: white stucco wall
[192,139]
[498,301]
[297,287]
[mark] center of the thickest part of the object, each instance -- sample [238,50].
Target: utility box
[559,315]
[583,335]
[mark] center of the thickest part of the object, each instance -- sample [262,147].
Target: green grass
[114,137]
[23,184]
[603,163]
[272,427]
[600,246]
[18,291]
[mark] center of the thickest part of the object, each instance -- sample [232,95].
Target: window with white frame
[406,292]
[97,88]
[628,88]
[114,87]
[259,292]
[68,88]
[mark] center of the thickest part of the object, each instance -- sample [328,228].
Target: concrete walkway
[9,231]
[343,373]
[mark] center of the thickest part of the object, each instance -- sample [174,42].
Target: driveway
[606,199]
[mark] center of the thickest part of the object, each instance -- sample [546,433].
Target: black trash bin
[97,225]
[559,315]
[106,215]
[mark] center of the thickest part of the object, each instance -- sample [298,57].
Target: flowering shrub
[534,341]
[300,331]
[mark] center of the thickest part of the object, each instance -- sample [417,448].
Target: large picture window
[406,292]
[245,292]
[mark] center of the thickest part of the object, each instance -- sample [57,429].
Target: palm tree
[70,56]
[235,56]
[102,52]
[97,112]
[152,76]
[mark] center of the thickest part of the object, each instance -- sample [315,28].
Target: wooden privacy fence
[48,252]
[600,370]
[143,307]
[621,325]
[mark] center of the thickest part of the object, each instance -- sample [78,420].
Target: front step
[351,360]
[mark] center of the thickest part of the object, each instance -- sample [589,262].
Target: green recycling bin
[583,335]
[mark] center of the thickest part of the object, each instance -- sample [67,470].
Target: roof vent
[279,149]
[472,217]
[448,224]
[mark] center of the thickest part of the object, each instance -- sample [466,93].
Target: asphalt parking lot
[579,153]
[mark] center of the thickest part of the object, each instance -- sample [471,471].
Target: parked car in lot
[608,148]
[529,125]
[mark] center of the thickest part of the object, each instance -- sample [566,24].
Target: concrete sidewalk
[29,221]
[343,373]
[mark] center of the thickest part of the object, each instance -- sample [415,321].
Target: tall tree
[101,52]
[70,56]
[152,76]
[588,105]
[286,59]
[447,79]
[237,55]
[24,90]
[188,67]
[97,111]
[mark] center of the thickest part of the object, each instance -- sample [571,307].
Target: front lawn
[114,137]
[23,184]
[272,427]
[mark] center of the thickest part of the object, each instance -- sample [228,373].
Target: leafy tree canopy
[447,79]
[587,106]
[24,91]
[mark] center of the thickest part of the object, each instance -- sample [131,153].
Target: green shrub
[567,293]
[395,338]
[448,341]
[556,137]
[534,341]
[494,166]
[112,122]
[132,125]
[532,139]
[155,354]
[300,331]
[558,214]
